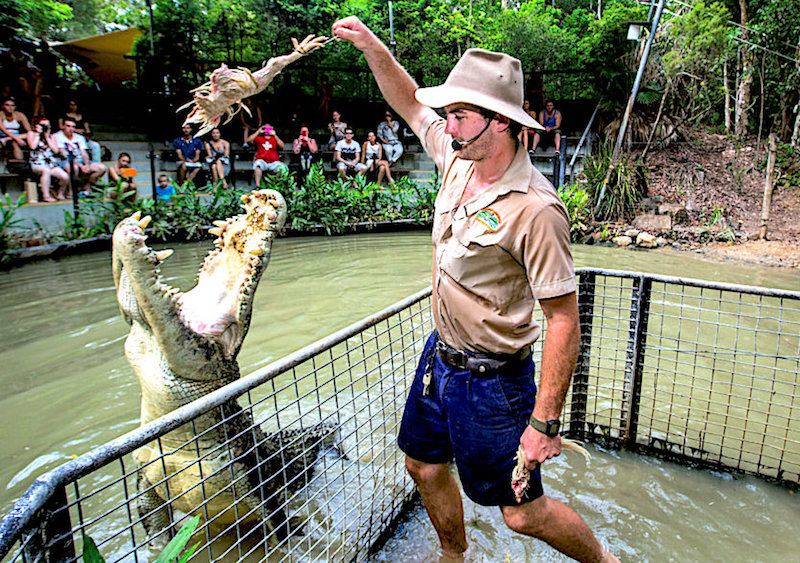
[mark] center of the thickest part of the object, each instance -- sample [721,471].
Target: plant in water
[171,552]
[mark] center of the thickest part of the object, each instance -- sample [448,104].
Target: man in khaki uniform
[501,242]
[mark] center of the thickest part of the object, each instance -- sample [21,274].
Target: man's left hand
[538,447]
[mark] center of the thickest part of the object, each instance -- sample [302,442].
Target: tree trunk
[658,118]
[769,184]
[727,91]
[796,132]
[761,79]
[743,90]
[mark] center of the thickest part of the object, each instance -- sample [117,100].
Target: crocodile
[183,346]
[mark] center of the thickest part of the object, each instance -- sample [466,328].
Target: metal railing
[701,372]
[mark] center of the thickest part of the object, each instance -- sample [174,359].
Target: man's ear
[503,122]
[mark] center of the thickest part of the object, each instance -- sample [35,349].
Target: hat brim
[444,95]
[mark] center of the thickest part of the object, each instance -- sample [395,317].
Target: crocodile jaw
[219,307]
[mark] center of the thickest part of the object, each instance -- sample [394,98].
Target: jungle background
[721,77]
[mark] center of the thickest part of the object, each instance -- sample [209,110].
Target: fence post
[634,356]
[556,170]
[580,379]
[50,541]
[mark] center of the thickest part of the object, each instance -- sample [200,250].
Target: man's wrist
[549,428]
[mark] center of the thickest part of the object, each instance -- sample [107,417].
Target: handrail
[580,143]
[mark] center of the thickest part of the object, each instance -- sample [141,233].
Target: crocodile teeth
[216,231]
[144,221]
[256,252]
[220,223]
[162,255]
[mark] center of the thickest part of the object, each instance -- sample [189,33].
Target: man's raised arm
[395,83]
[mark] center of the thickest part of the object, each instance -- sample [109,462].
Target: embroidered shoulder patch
[489,217]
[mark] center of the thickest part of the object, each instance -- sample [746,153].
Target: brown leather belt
[479,363]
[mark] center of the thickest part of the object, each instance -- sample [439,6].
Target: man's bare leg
[442,499]
[559,526]
[257,176]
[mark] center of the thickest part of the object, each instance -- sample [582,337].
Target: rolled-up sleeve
[547,255]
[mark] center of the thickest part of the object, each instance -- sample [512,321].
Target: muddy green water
[67,388]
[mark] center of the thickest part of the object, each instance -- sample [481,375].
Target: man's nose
[450,125]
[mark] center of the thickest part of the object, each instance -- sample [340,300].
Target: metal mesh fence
[298,461]
[696,371]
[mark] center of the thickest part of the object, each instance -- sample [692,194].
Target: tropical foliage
[334,205]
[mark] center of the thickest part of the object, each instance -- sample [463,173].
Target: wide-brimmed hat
[485,79]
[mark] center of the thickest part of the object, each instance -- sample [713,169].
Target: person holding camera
[122,175]
[267,157]
[304,146]
[43,160]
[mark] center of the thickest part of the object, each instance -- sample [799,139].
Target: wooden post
[768,186]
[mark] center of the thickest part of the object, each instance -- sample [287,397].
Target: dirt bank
[718,180]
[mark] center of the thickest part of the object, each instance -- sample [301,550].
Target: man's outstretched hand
[353,30]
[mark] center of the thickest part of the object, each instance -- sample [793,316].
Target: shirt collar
[516,178]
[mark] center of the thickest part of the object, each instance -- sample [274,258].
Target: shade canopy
[103,56]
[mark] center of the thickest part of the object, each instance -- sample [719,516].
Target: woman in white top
[372,158]
[12,123]
[218,152]
[43,160]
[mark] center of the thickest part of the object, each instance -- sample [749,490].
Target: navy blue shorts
[478,421]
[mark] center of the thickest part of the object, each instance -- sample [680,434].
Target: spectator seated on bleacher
[267,158]
[347,156]
[550,118]
[304,147]
[164,189]
[336,127]
[218,156]
[71,143]
[14,127]
[188,150]
[372,158]
[121,175]
[81,125]
[95,152]
[43,160]
[388,134]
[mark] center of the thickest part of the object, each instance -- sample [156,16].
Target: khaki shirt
[497,254]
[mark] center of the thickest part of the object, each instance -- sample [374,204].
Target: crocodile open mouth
[219,307]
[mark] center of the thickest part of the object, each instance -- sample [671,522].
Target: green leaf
[90,552]
[176,545]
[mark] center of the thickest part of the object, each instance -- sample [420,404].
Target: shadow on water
[68,388]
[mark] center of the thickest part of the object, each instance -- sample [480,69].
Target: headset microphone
[458,145]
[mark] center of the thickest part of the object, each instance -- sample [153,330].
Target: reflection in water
[67,388]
